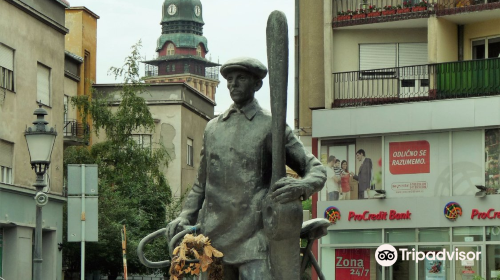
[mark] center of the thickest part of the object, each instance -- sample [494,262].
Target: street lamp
[40,139]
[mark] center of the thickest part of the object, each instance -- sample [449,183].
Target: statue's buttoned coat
[235,176]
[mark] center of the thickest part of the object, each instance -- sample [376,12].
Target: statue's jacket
[235,176]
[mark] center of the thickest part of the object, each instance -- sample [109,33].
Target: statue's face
[242,86]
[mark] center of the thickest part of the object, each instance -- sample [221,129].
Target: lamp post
[40,139]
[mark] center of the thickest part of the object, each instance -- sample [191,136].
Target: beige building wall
[311,62]
[443,40]
[168,131]
[477,31]
[193,127]
[16,110]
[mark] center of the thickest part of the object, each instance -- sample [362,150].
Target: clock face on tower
[172,9]
[197,10]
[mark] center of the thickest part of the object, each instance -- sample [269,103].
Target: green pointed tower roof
[182,23]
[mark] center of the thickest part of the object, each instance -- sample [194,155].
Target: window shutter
[6,153]
[377,56]
[6,57]
[412,54]
[43,84]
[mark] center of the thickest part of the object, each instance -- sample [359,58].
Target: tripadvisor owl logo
[386,255]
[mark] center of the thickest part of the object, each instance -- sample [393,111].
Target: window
[198,50]
[143,140]
[168,68]
[173,67]
[43,84]
[170,49]
[380,56]
[6,155]
[6,68]
[190,152]
[486,48]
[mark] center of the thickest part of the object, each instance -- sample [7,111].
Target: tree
[132,186]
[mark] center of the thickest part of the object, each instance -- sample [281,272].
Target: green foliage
[307,204]
[132,187]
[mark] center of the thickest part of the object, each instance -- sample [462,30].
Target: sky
[233,28]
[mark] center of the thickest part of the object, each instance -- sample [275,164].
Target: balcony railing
[75,130]
[450,7]
[354,12]
[415,83]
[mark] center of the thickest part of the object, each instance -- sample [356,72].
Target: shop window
[433,269]
[354,168]
[493,233]
[6,67]
[433,234]
[493,261]
[486,48]
[353,236]
[43,84]
[190,152]
[400,235]
[464,269]
[467,234]
[402,269]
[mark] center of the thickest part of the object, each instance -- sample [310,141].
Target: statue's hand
[176,226]
[288,189]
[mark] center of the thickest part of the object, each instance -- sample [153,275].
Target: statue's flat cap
[248,64]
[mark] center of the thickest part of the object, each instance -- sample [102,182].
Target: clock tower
[181,49]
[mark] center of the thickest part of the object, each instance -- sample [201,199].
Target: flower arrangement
[389,8]
[407,4]
[195,247]
[372,8]
[423,3]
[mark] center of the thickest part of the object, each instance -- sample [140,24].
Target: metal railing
[354,12]
[72,128]
[210,72]
[449,7]
[415,83]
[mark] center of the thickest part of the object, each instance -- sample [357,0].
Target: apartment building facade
[31,71]
[408,105]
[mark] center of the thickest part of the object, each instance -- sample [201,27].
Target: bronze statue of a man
[235,176]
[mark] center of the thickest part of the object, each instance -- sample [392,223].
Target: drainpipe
[297,64]
[460,36]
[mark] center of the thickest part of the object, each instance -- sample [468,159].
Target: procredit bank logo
[332,214]
[452,211]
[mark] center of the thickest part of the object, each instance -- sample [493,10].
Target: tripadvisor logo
[386,255]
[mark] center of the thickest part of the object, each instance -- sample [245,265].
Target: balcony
[357,12]
[459,79]
[451,7]
[75,133]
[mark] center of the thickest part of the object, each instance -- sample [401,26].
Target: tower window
[168,68]
[198,51]
[170,49]
[173,67]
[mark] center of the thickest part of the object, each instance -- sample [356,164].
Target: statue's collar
[248,110]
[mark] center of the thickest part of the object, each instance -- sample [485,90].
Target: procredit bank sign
[418,212]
